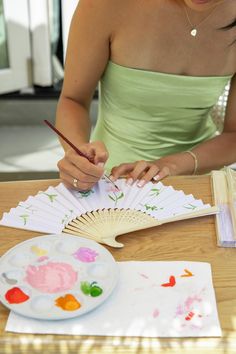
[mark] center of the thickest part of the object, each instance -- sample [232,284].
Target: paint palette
[56,276]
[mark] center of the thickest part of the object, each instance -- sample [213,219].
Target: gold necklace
[194,29]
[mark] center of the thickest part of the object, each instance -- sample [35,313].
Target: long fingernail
[141,183]
[156,178]
[100,164]
[130,181]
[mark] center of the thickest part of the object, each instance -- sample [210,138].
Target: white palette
[56,277]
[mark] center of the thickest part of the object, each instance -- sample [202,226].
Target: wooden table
[192,240]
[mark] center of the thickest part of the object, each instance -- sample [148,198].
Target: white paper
[141,306]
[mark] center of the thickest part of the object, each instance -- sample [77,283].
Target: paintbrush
[77,150]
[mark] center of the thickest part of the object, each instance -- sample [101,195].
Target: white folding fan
[103,212]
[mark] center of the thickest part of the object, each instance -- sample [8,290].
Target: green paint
[95,291]
[85,287]
[91,289]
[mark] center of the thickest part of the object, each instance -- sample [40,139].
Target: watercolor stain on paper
[171,282]
[155,313]
[51,277]
[68,302]
[187,273]
[144,275]
[85,254]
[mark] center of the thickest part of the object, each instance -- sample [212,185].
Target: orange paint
[187,274]
[68,303]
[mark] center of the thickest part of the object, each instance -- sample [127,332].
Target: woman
[162,66]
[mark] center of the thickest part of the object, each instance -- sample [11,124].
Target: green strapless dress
[144,115]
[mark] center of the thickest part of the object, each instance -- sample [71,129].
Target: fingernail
[156,178]
[130,181]
[112,178]
[100,164]
[141,183]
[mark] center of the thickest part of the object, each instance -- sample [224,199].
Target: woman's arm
[212,154]
[86,59]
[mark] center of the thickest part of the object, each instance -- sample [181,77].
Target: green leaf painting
[154,192]
[24,218]
[67,217]
[115,197]
[51,197]
[29,208]
[190,206]
[151,207]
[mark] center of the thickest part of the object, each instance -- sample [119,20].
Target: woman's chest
[163,42]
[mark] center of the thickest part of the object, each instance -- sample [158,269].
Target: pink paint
[51,277]
[155,313]
[43,258]
[179,310]
[144,275]
[190,301]
[112,188]
[85,254]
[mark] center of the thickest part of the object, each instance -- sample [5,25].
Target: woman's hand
[143,171]
[79,173]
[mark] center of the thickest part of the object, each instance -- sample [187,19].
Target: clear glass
[4,60]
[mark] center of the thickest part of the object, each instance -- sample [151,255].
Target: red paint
[171,283]
[189,316]
[16,296]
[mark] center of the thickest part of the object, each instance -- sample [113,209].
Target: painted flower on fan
[85,254]
[85,194]
[110,188]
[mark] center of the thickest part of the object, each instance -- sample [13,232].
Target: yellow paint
[39,251]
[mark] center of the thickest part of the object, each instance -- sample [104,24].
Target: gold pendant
[194,32]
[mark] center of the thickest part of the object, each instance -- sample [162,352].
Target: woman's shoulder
[106,5]
[105,12]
